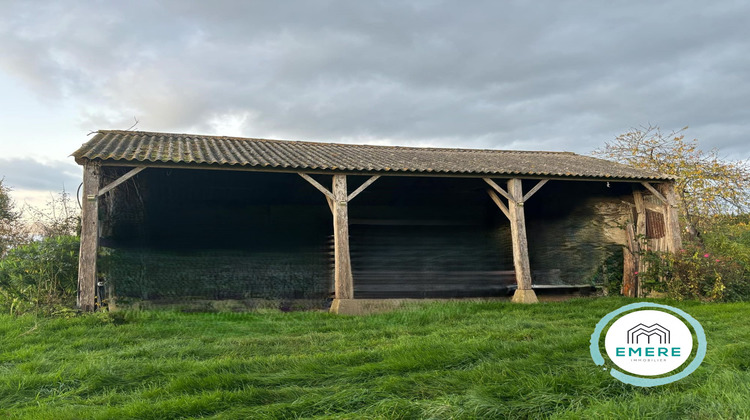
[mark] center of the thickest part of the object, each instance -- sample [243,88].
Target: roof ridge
[376,146]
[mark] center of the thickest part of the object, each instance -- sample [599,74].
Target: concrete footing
[524,296]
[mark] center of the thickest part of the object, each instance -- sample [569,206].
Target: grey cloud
[553,75]
[29,174]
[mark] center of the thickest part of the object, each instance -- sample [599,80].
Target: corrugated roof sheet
[199,150]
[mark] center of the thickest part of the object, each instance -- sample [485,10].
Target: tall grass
[455,360]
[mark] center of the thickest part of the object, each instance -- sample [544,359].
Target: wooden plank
[518,235]
[653,191]
[499,203]
[120,180]
[536,188]
[316,184]
[629,282]
[672,220]
[89,238]
[630,286]
[653,207]
[498,188]
[362,187]
[640,211]
[639,237]
[343,282]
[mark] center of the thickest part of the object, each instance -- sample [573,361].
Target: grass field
[458,360]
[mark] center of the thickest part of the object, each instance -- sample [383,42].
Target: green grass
[458,360]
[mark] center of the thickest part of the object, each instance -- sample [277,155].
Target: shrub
[40,276]
[695,273]
[730,236]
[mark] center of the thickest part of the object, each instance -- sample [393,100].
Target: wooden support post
[343,283]
[89,237]
[631,258]
[338,199]
[524,293]
[639,237]
[671,218]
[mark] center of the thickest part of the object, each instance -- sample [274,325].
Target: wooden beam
[499,203]
[653,191]
[120,180]
[498,188]
[653,207]
[536,188]
[89,238]
[524,293]
[330,204]
[671,218]
[343,282]
[316,184]
[267,169]
[362,187]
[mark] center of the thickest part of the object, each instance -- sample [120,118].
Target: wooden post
[631,260]
[671,218]
[629,281]
[89,237]
[343,283]
[639,238]
[338,199]
[524,293]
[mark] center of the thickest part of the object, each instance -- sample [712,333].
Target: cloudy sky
[542,75]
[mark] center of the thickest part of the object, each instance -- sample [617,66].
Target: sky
[543,75]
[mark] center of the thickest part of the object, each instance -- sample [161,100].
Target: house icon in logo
[641,330]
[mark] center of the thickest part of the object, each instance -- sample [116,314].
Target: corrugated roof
[189,150]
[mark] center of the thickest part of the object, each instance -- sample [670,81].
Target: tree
[59,218]
[706,184]
[12,229]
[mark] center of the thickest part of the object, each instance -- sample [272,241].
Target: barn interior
[172,234]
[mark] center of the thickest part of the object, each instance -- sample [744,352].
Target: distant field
[458,360]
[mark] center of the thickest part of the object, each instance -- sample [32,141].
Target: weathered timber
[536,188]
[672,220]
[631,261]
[653,207]
[316,184]
[524,293]
[653,191]
[640,234]
[120,180]
[343,283]
[330,204]
[499,203]
[498,188]
[89,238]
[362,187]
[629,281]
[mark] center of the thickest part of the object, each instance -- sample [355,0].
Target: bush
[730,236]
[696,273]
[40,276]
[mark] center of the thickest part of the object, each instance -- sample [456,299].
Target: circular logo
[648,343]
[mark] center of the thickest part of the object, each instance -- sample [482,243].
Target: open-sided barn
[178,216]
